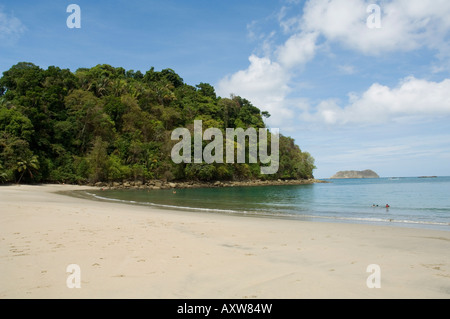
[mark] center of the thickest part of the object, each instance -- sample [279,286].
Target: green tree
[172,77]
[4,176]
[207,90]
[98,161]
[13,122]
[106,124]
[89,120]
[27,165]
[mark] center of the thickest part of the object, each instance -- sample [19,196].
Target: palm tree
[27,165]
[3,175]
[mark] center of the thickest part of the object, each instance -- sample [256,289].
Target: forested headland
[108,124]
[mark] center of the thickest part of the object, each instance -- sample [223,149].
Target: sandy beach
[127,251]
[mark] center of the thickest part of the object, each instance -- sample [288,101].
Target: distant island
[355,174]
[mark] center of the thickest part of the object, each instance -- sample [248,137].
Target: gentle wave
[163,205]
[273,214]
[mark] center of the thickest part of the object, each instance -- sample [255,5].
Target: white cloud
[347,69]
[11,28]
[264,83]
[412,97]
[297,50]
[406,25]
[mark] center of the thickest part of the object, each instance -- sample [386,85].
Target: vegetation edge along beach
[161,184]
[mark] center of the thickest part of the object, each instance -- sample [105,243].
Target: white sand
[127,251]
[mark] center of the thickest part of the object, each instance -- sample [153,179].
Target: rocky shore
[159,184]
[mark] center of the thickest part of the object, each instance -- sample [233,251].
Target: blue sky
[354,97]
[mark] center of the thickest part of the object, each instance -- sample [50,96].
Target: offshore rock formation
[355,174]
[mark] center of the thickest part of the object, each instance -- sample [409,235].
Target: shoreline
[162,184]
[127,251]
[251,214]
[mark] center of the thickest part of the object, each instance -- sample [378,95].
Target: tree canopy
[110,124]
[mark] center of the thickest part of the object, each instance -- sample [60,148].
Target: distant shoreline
[160,184]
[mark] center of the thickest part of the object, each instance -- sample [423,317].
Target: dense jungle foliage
[110,124]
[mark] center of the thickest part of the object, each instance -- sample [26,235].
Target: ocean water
[414,202]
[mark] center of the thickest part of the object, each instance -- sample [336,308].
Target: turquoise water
[414,202]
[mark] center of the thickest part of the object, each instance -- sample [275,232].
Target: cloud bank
[412,97]
[406,26]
